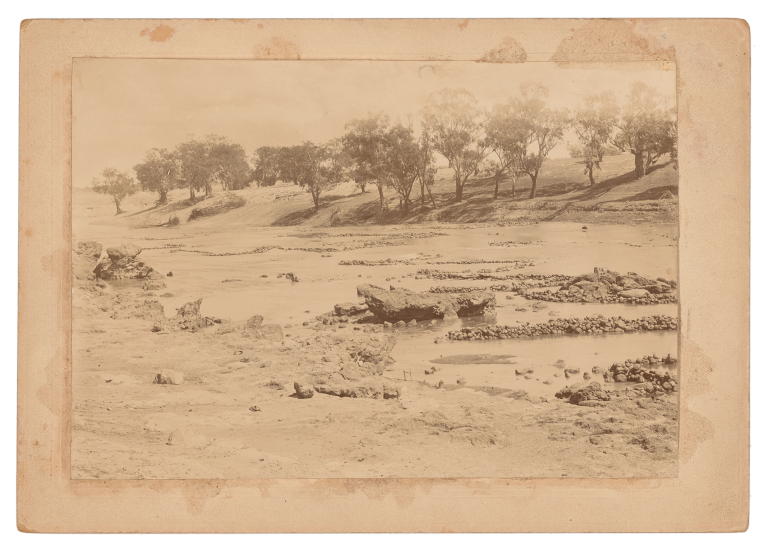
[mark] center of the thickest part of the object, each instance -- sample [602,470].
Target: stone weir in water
[590,325]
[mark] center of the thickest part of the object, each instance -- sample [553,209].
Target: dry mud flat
[166,386]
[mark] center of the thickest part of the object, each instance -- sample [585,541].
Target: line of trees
[509,141]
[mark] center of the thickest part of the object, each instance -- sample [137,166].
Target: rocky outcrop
[590,325]
[122,263]
[404,305]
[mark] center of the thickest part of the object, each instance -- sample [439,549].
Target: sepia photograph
[301,269]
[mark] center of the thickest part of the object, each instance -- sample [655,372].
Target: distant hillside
[564,194]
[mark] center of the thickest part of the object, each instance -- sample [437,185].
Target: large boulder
[405,305]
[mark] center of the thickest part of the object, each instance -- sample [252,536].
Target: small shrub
[173,220]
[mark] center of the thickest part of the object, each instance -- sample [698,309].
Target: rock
[405,305]
[576,394]
[254,408]
[634,293]
[586,376]
[461,381]
[349,309]
[303,391]
[189,318]
[169,274]
[364,388]
[254,322]
[121,263]
[413,323]
[169,377]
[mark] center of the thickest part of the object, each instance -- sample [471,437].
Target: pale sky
[123,107]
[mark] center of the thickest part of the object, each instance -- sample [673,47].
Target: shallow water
[546,356]
[233,287]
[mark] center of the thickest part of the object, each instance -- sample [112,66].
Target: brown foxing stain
[508,51]
[464,24]
[161,33]
[277,48]
[196,495]
[610,40]
[695,429]
[695,370]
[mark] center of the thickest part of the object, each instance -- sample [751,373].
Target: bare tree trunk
[514,183]
[431,197]
[117,206]
[497,179]
[590,169]
[192,193]
[208,190]
[534,177]
[163,197]
[459,188]
[639,164]
[381,197]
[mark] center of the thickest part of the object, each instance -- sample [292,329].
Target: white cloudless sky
[123,107]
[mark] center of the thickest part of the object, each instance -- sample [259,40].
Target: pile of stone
[590,325]
[397,304]
[652,371]
[609,287]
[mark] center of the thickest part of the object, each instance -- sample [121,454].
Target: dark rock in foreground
[122,263]
[590,325]
[404,305]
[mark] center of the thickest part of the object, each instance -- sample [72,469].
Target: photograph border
[710,493]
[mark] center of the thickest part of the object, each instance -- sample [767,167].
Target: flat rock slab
[405,305]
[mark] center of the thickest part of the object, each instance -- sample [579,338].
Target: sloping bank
[590,325]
